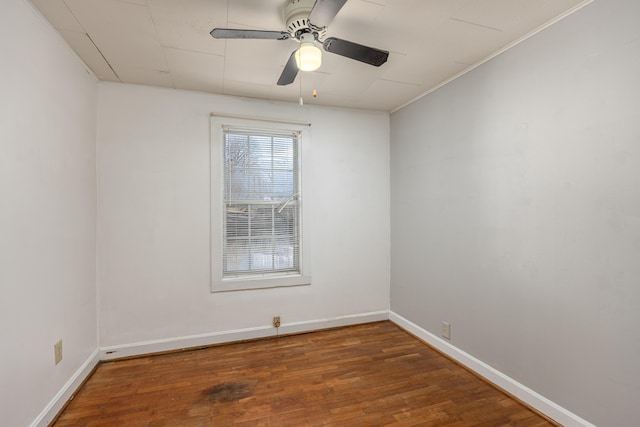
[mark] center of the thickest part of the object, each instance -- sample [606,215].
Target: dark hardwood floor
[366,375]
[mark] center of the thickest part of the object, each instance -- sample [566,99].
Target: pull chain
[301,101]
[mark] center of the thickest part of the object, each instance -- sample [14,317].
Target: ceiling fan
[307,22]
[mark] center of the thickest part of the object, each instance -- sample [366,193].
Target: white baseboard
[530,397]
[525,394]
[202,340]
[60,399]
[314,325]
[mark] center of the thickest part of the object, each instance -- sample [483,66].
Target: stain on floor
[228,392]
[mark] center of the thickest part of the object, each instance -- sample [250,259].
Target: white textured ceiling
[167,43]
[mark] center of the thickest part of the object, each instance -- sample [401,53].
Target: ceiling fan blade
[324,11]
[230,33]
[366,54]
[290,71]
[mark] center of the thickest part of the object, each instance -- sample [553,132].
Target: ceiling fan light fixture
[307,22]
[308,56]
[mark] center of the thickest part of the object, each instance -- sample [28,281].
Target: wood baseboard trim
[55,406]
[205,340]
[510,386]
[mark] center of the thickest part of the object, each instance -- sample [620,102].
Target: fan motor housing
[296,15]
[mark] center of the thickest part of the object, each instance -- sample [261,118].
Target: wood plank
[374,375]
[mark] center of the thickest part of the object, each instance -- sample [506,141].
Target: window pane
[283,153]
[262,221]
[261,255]
[286,220]
[237,223]
[236,256]
[283,184]
[285,254]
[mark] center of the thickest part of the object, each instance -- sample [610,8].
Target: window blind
[261,202]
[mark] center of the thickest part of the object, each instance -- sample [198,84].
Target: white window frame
[256,281]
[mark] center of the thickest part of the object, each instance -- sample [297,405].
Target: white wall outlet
[446,330]
[57,351]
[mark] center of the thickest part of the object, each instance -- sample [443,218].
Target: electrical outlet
[57,351]
[276,321]
[446,330]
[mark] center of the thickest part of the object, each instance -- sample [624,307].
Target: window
[261,217]
[258,233]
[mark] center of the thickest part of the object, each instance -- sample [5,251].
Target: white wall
[515,198]
[47,213]
[153,216]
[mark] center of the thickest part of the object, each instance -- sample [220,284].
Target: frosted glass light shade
[308,57]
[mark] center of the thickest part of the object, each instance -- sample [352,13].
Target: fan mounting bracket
[296,15]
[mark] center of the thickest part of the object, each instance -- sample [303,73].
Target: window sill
[246,283]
